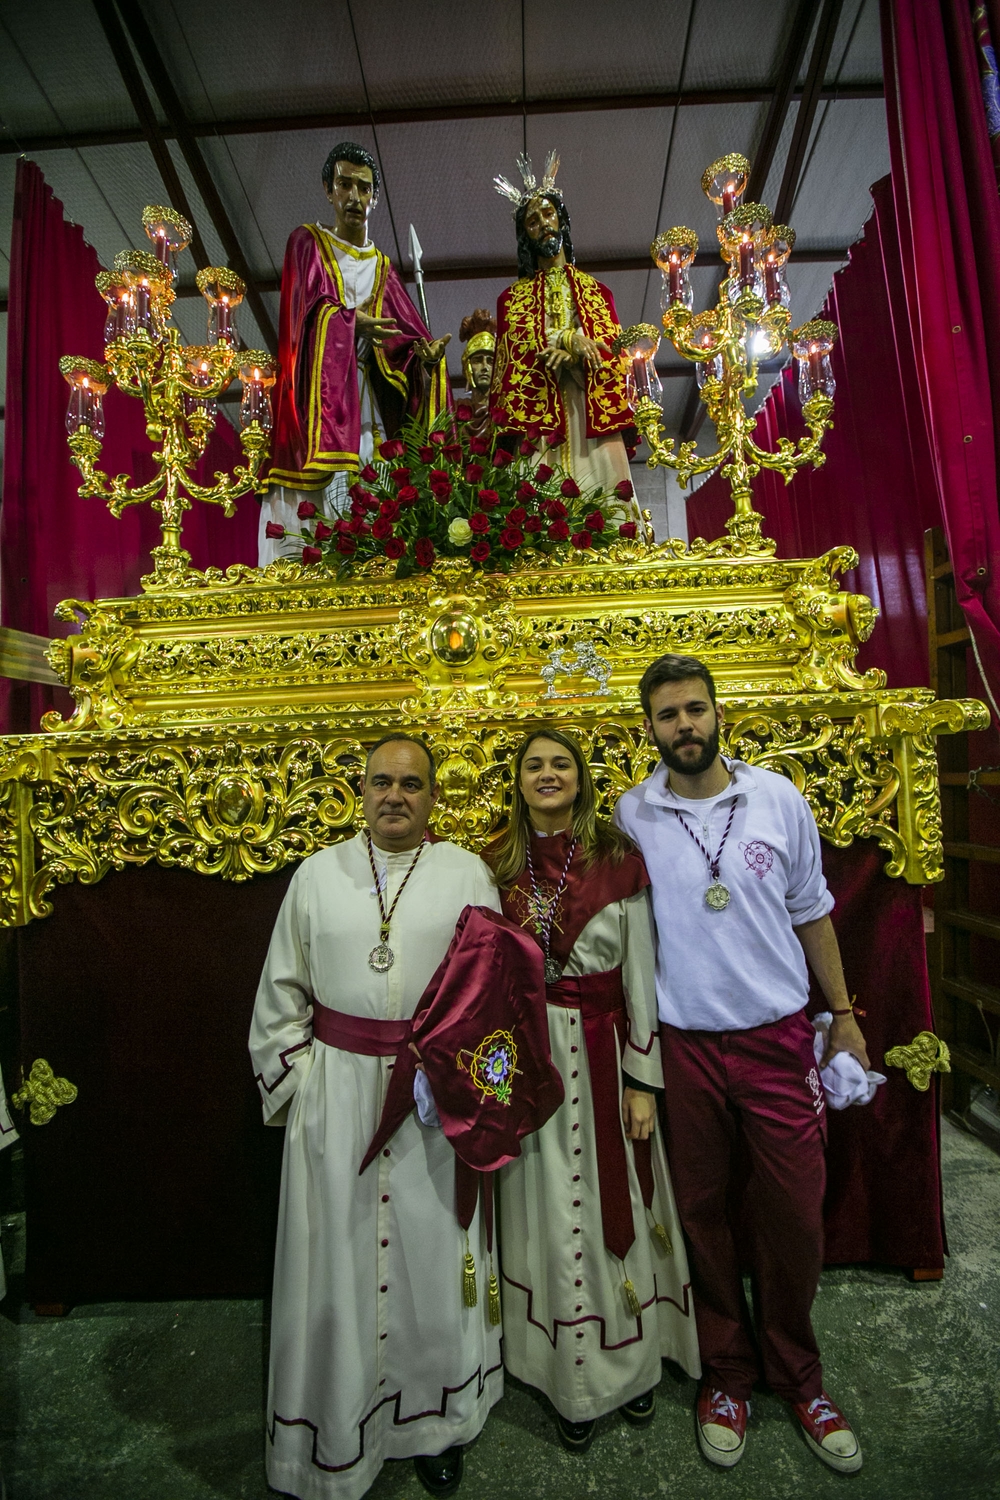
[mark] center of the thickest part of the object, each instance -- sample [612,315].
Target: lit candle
[772,280]
[142,304]
[816,379]
[674,273]
[222,329]
[728,197]
[746,263]
[162,247]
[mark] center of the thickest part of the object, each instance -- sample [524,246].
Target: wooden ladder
[966,1008]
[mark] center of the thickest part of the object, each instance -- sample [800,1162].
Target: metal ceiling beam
[507,270]
[825,33]
[149,56]
[493,110]
[151,132]
[781,99]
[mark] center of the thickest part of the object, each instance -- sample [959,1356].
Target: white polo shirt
[743,966]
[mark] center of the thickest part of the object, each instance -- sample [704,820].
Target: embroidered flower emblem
[759,857]
[492,1066]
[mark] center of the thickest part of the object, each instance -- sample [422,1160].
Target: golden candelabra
[750,322]
[178,385]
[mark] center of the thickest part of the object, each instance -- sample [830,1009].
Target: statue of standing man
[554,375]
[356,358]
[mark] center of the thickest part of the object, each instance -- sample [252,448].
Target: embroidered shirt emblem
[492,1066]
[759,857]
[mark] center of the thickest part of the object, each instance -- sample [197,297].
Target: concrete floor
[163,1401]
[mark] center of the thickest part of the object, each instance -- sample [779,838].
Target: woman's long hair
[598,838]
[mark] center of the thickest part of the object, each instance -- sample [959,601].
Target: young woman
[595,1281]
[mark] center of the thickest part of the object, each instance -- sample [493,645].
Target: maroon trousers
[745,1135]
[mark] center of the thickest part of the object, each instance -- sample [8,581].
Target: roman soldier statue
[479,335]
[356,358]
[554,375]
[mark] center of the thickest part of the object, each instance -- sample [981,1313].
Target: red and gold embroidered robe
[527,393]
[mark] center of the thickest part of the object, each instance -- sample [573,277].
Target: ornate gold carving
[925,1055]
[221,727]
[43,1092]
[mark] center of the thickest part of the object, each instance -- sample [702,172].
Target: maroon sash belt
[600,999]
[359,1033]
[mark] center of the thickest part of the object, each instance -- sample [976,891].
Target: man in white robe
[373,1353]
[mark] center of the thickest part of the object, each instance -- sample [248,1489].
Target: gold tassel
[469,1294]
[494,1298]
[664,1238]
[631,1297]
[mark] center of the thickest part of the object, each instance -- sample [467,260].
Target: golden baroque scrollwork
[42,1093]
[926,1055]
[230,809]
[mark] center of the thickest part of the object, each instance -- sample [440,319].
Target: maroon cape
[317,418]
[482,1031]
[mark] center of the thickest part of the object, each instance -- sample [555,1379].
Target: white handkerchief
[844,1080]
[426,1108]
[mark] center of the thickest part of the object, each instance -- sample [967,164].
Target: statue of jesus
[356,359]
[554,375]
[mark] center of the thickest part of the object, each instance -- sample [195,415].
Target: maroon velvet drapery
[53,544]
[948,219]
[876,491]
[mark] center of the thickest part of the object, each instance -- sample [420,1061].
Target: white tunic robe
[567,1326]
[373,1353]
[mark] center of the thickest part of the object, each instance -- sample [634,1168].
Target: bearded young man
[373,1353]
[554,375]
[355,356]
[740,904]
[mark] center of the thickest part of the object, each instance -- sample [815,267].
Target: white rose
[460,532]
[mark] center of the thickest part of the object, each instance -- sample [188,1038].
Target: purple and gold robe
[317,419]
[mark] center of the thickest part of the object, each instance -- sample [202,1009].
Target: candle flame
[256,374]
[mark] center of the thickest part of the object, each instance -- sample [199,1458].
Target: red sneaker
[829,1434]
[722,1426]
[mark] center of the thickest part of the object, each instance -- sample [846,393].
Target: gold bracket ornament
[726,344]
[43,1092]
[178,386]
[925,1055]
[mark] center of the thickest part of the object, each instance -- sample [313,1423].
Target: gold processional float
[221,718]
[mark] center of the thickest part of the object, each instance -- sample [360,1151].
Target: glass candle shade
[725,182]
[169,232]
[777,248]
[258,373]
[812,345]
[149,287]
[120,321]
[223,290]
[708,369]
[674,252]
[645,381]
[88,382]
[200,373]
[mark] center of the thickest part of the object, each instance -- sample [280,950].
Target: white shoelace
[821,1411]
[724,1406]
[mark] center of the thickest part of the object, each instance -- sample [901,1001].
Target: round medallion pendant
[553,973]
[717,896]
[382,958]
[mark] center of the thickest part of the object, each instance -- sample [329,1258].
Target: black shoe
[639,1411]
[576,1437]
[442,1474]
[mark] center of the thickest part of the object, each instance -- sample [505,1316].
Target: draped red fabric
[53,544]
[876,491]
[948,216]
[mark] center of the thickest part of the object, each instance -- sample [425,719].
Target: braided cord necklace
[382,958]
[544,911]
[717,895]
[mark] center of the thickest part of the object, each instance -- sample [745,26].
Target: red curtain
[876,491]
[53,544]
[948,217]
